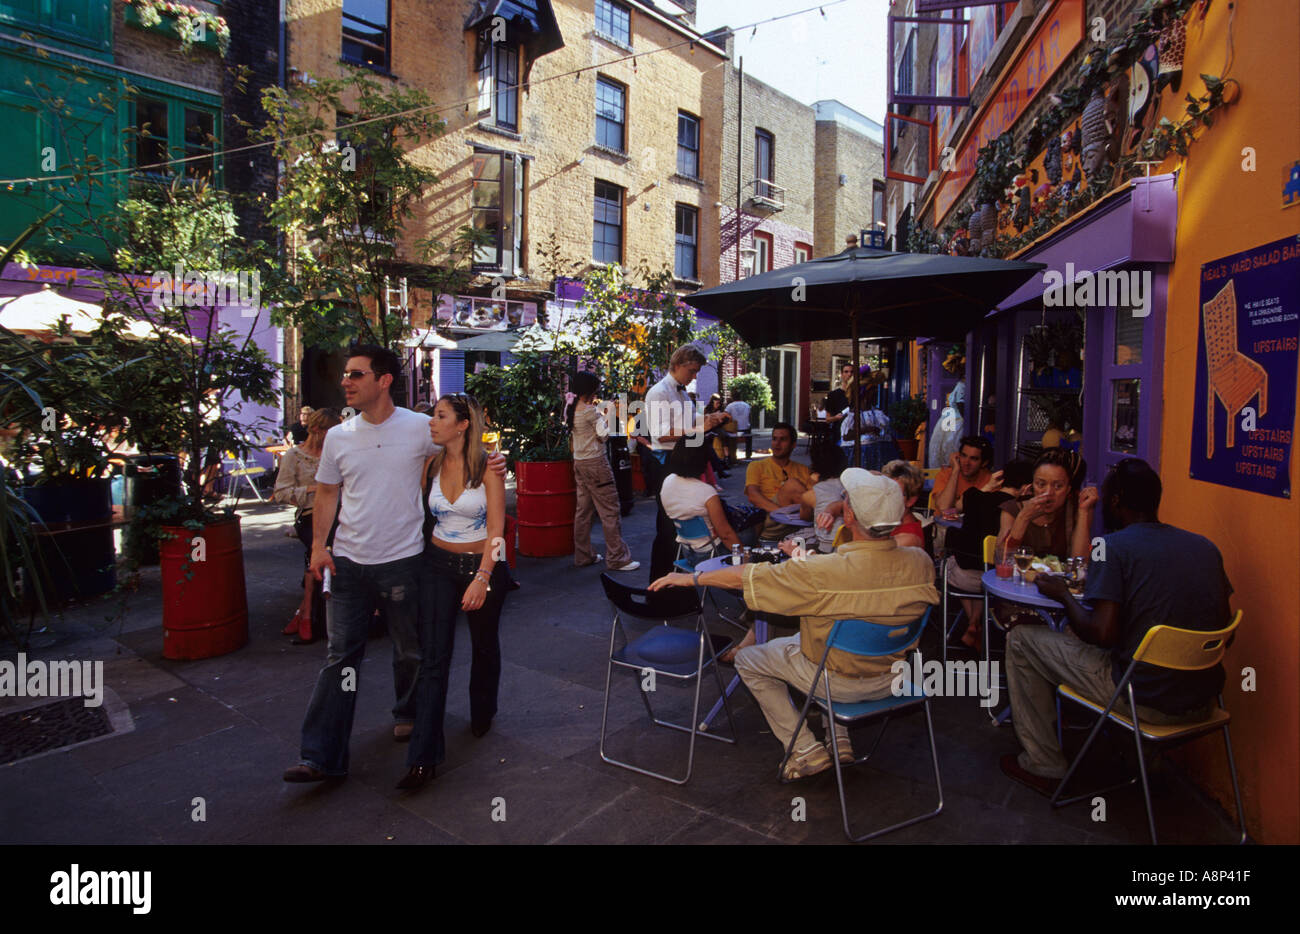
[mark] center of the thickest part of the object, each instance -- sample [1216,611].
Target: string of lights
[446,106]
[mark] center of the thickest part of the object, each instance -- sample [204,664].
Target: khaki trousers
[597,494]
[766,670]
[1039,659]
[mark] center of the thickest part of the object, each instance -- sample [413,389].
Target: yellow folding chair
[1164,647]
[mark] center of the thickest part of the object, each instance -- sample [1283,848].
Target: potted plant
[754,389]
[526,402]
[188,400]
[906,415]
[1038,351]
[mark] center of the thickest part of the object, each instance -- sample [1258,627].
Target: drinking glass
[1024,557]
[492,441]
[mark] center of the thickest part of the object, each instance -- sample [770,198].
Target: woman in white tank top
[465,514]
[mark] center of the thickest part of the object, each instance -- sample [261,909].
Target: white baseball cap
[875,499]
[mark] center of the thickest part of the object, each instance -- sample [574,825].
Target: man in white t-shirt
[371,462]
[739,412]
[669,417]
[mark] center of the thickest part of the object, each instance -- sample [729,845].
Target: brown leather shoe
[417,777]
[1012,769]
[402,732]
[304,773]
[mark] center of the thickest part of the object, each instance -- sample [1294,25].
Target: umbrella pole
[857,394]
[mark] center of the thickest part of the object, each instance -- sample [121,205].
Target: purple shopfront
[1086,360]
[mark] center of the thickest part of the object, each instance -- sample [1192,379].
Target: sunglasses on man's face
[355,374]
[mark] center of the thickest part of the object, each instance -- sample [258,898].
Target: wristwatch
[696,575]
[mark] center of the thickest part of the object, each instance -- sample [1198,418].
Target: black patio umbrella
[864,291]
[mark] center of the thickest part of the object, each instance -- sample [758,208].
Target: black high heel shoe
[417,777]
[480,727]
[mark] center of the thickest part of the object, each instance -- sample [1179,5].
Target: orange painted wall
[1224,209]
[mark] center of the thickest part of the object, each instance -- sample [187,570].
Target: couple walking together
[422,508]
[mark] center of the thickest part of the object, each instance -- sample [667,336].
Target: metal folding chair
[664,651]
[1164,647]
[235,468]
[861,637]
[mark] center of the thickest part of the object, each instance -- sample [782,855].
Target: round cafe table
[953,523]
[717,563]
[1014,591]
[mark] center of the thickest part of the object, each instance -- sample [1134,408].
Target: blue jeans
[357,590]
[449,575]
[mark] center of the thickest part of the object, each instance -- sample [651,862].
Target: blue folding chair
[860,637]
[688,557]
[665,652]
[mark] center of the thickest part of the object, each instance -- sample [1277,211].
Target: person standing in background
[738,411]
[295,485]
[296,432]
[596,492]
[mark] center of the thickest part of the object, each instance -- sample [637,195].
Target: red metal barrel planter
[545,500]
[207,614]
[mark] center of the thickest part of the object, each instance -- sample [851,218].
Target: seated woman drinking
[685,496]
[1055,520]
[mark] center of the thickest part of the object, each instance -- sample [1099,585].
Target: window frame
[805,249]
[493,87]
[387,27]
[620,226]
[609,34]
[763,182]
[689,242]
[684,117]
[610,83]
[764,247]
[174,142]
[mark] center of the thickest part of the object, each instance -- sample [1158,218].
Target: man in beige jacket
[868,578]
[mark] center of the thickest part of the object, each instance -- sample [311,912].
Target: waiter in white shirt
[668,418]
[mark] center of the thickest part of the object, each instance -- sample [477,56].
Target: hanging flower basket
[192,26]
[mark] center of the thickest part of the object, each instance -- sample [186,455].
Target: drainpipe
[740,145]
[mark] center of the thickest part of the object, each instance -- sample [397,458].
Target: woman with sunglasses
[464,523]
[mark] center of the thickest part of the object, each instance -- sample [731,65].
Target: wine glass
[1024,558]
[492,441]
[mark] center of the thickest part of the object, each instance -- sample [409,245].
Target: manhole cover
[50,726]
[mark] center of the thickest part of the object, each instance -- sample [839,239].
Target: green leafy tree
[754,389]
[730,351]
[348,196]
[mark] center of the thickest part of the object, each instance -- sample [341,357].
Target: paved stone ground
[225,728]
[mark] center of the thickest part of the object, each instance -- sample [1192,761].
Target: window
[685,265]
[498,84]
[613,21]
[85,22]
[802,252]
[688,145]
[763,254]
[199,141]
[607,232]
[166,130]
[764,163]
[365,33]
[877,203]
[905,83]
[497,210]
[151,136]
[611,99]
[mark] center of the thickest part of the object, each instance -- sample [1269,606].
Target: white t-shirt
[870,418]
[685,498]
[740,412]
[380,516]
[668,410]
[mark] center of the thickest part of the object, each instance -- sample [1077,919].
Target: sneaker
[803,765]
[630,566]
[846,753]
